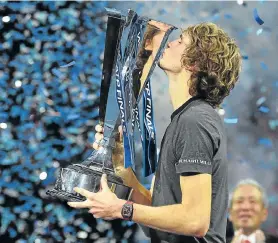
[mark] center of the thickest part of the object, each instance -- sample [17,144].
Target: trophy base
[87,178]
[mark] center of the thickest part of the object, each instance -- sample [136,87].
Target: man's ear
[192,68]
[264,214]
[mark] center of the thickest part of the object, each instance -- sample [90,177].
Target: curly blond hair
[215,62]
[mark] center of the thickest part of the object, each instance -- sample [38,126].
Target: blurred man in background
[248,207]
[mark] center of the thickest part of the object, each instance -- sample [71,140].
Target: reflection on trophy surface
[153,37]
[133,47]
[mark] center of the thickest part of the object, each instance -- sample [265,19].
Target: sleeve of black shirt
[196,144]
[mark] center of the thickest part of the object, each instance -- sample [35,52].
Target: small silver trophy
[127,67]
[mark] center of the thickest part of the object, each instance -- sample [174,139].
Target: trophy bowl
[86,177]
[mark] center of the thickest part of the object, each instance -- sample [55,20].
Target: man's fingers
[96,146]
[84,192]
[98,136]
[85,204]
[97,216]
[108,218]
[120,128]
[103,183]
[99,128]
[94,210]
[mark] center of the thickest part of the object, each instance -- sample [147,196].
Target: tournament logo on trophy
[133,47]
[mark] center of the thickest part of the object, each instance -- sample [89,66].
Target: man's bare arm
[191,217]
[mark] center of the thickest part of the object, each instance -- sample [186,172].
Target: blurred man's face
[171,58]
[247,211]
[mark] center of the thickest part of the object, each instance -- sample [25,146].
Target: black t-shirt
[194,142]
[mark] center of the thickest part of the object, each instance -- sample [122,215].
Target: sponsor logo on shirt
[194,161]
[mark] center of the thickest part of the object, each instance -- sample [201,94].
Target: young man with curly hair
[188,200]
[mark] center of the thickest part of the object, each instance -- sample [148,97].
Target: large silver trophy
[133,47]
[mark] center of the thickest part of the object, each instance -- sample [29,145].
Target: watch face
[127,210]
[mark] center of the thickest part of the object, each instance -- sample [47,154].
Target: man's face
[171,58]
[247,210]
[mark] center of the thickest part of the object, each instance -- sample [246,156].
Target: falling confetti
[231,120]
[259,31]
[264,66]
[261,101]
[264,109]
[257,18]
[68,65]
[265,142]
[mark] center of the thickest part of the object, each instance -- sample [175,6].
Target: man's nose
[169,44]
[246,205]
